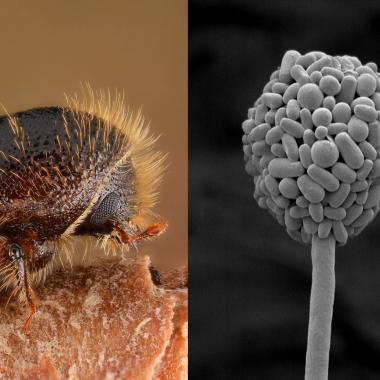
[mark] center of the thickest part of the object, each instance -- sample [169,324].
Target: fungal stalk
[321,307]
[311,143]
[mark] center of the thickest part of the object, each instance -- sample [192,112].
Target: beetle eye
[15,252]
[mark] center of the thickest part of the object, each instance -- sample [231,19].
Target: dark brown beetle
[85,169]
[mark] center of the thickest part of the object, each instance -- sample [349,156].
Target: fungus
[313,151]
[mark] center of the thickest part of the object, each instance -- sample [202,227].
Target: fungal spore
[312,145]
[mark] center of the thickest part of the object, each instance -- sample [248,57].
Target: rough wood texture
[174,363]
[105,321]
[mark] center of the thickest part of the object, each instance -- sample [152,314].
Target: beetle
[85,169]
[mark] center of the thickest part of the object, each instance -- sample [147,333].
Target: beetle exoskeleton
[85,169]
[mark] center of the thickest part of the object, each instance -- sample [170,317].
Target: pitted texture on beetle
[312,143]
[57,165]
[52,162]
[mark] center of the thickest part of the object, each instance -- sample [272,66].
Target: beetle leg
[152,231]
[17,256]
[32,307]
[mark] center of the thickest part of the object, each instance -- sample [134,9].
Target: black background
[250,282]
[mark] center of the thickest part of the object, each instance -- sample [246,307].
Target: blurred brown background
[49,47]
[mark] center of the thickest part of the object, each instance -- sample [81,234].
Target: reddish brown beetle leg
[152,231]
[32,307]
[18,257]
[32,311]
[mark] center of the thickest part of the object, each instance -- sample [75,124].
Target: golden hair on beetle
[137,143]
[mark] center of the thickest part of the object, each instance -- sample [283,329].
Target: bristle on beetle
[137,143]
[89,169]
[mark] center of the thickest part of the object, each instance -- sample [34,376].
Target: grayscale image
[284,101]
